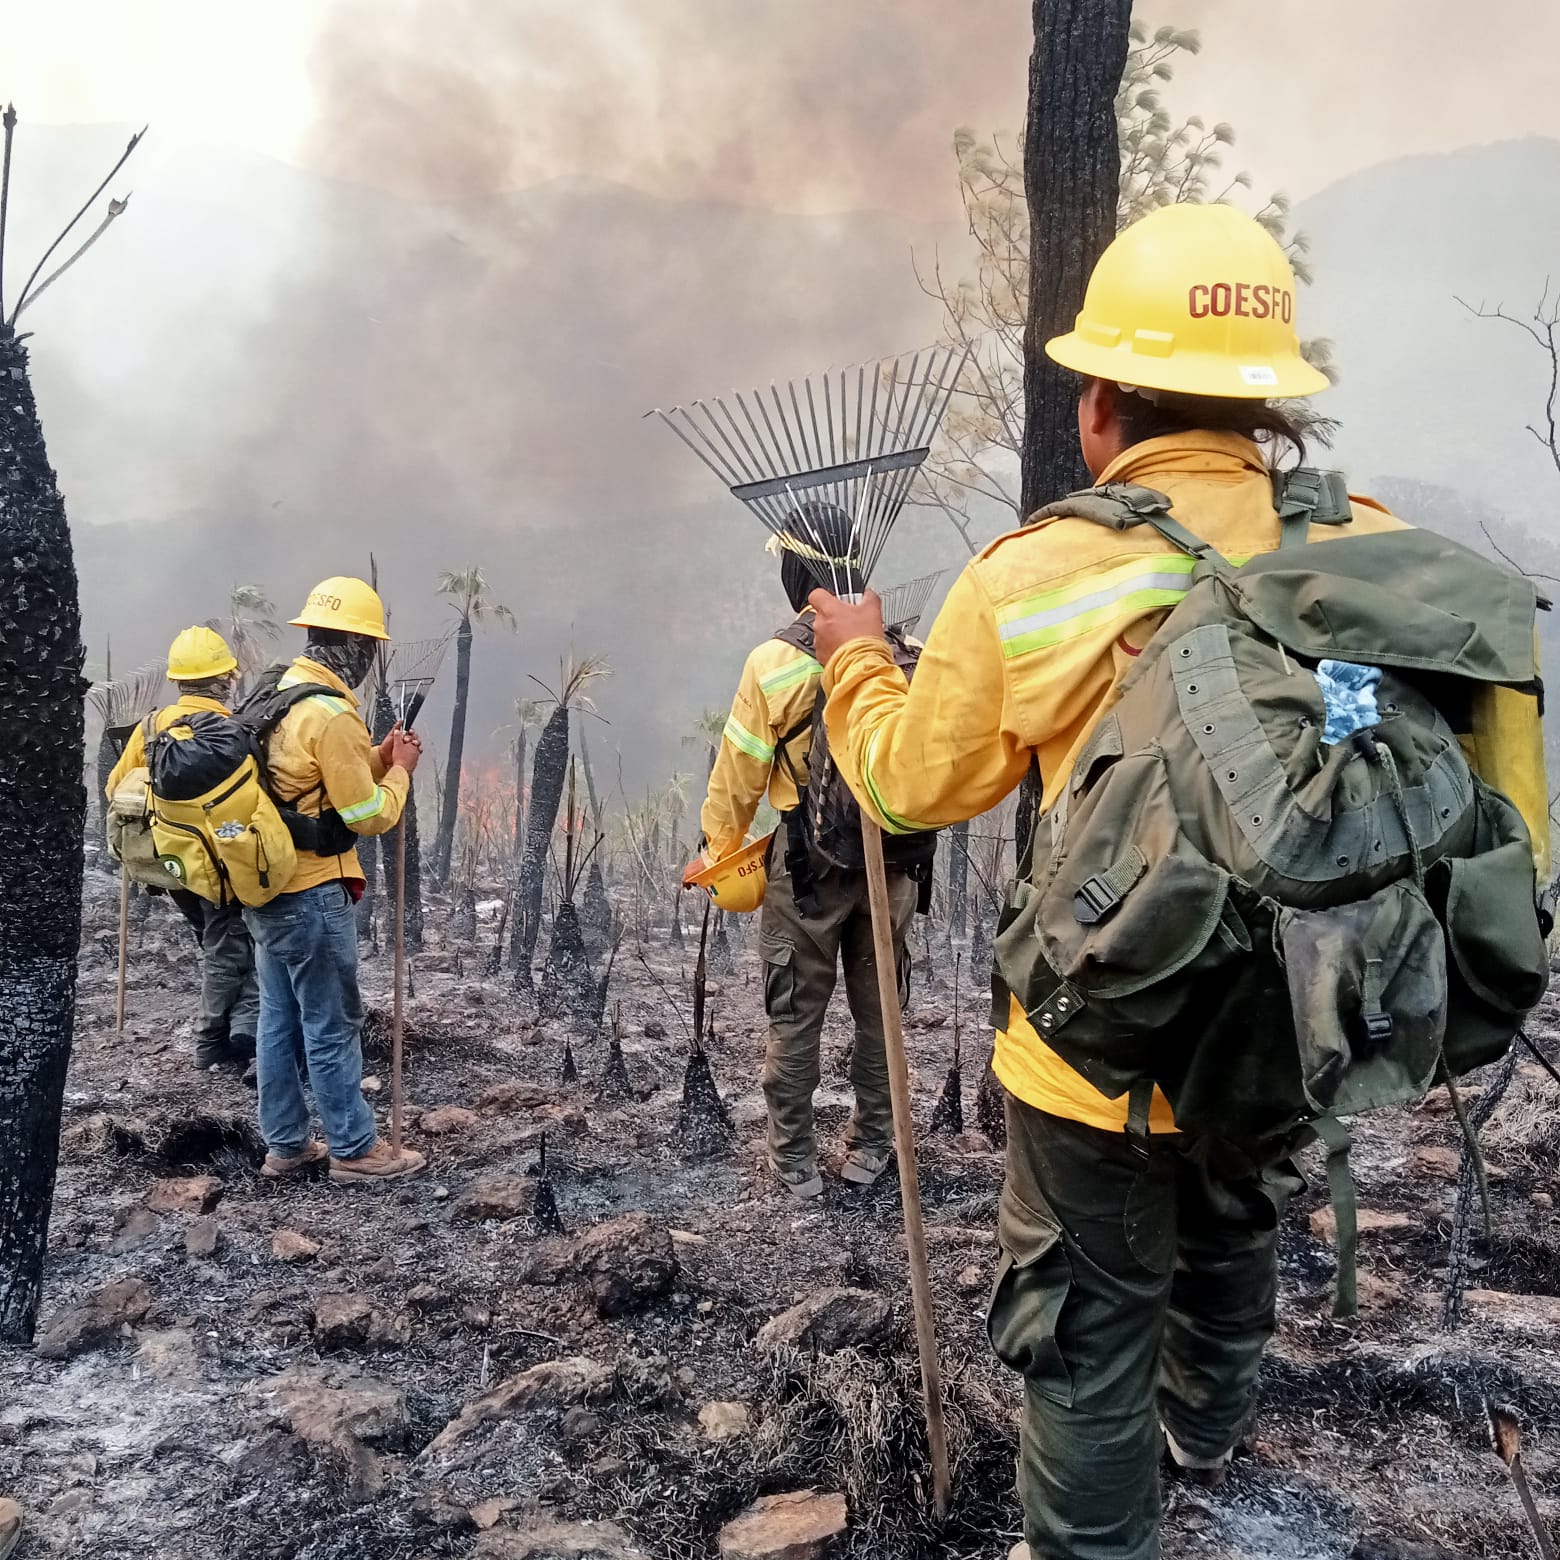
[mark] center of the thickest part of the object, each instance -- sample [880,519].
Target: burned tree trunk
[414,904]
[520,746]
[444,845]
[1072,171]
[43,808]
[958,876]
[547,776]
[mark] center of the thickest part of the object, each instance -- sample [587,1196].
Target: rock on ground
[292,1246]
[343,1321]
[133,1226]
[496,1197]
[1372,1221]
[187,1194]
[342,1410]
[202,1237]
[542,1539]
[445,1119]
[96,1319]
[555,1383]
[626,1263]
[799,1525]
[829,1320]
[721,1421]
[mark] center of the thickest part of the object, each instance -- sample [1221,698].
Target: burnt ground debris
[419,1372]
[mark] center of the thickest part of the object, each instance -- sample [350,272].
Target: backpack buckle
[1378,1032]
[1094,900]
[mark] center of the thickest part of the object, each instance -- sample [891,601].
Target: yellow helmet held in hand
[737,881]
[199,652]
[348,604]
[1195,300]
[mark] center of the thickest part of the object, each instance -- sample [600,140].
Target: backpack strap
[1121,506]
[1305,497]
[1340,1189]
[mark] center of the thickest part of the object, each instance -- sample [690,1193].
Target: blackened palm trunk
[547,777]
[43,810]
[520,747]
[449,813]
[414,904]
[1072,169]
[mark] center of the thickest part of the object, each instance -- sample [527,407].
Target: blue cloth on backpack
[1349,697]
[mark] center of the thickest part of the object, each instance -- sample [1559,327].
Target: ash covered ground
[230,1368]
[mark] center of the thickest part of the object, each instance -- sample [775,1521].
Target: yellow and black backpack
[217,828]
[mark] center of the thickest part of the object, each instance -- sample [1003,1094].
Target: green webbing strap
[1122,505]
[1140,1100]
[1306,497]
[1340,1188]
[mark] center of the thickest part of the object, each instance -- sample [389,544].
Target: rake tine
[861,399]
[781,468]
[869,452]
[833,582]
[808,460]
[720,467]
[776,466]
[799,462]
[812,414]
[737,461]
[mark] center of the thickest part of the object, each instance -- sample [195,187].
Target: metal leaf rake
[904,603]
[851,438]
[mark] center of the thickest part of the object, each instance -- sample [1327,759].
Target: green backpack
[1275,930]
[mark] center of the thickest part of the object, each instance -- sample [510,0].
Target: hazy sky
[799,104]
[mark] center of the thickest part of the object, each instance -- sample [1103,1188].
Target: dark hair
[825,528]
[1264,421]
[208,687]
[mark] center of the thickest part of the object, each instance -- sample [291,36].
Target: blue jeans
[311,1016]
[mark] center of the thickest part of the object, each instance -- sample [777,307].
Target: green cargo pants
[1136,1288]
[229,991]
[802,958]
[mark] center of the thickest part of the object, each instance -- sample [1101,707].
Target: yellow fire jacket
[1026,655]
[774,700]
[321,755]
[134,755]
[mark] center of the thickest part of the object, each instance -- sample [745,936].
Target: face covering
[350,660]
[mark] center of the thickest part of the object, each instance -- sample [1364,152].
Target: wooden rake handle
[904,1152]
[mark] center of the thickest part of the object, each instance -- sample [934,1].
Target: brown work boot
[10,1527]
[380,1163]
[802,1181]
[863,1166]
[279,1166]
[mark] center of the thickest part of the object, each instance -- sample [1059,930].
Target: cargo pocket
[1034,1276]
[1367,989]
[779,979]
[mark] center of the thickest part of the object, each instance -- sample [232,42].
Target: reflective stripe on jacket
[775,698]
[1025,656]
[321,755]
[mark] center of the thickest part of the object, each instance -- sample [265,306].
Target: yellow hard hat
[1196,300]
[737,881]
[199,652]
[342,602]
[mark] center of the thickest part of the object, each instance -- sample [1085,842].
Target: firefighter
[322,763]
[204,670]
[1137,1284]
[815,917]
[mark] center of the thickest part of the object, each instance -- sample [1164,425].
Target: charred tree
[43,810]
[414,903]
[548,772]
[958,876]
[1072,177]
[449,810]
[520,748]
